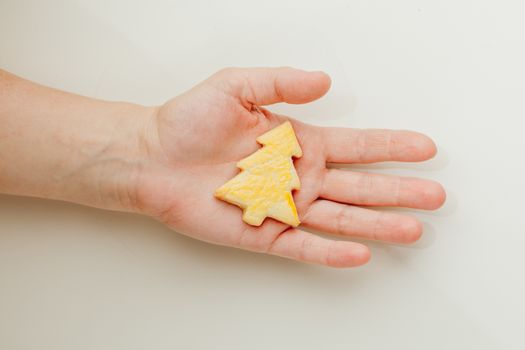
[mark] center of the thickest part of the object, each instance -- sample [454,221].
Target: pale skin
[166,161]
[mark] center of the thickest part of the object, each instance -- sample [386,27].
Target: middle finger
[381,190]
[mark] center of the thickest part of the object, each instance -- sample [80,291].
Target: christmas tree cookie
[263,187]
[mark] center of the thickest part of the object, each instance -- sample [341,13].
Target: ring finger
[346,220]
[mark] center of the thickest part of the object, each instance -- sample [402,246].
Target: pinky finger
[306,247]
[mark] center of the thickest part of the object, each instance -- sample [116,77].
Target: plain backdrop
[73,277]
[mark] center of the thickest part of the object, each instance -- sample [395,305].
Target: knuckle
[225,73]
[373,144]
[304,253]
[366,185]
[361,147]
[343,221]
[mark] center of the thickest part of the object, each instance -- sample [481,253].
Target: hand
[194,141]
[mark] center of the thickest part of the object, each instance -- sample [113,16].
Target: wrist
[59,145]
[108,159]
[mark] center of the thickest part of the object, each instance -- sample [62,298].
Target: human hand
[192,143]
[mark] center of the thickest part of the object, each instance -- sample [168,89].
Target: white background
[78,278]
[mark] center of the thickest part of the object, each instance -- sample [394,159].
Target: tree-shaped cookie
[263,187]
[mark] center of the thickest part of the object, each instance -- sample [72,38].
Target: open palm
[195,140]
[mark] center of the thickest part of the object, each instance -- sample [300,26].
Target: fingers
[344,145]
[306,247]
[346,220]
[381,190]
[264,86]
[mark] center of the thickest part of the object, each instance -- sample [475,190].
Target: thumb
[265,86]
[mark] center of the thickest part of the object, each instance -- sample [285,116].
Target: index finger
[346,145]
